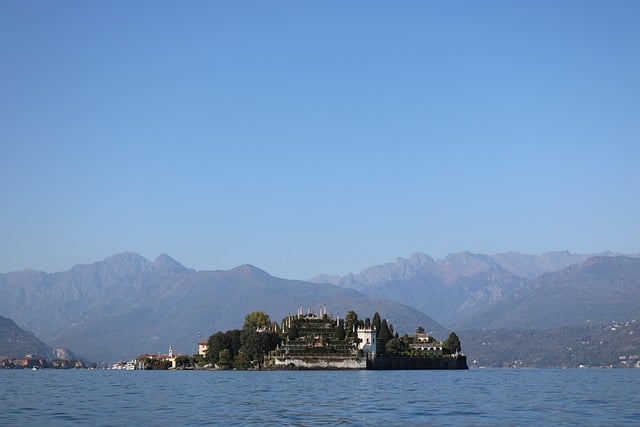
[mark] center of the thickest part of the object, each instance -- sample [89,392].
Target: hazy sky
[316,137]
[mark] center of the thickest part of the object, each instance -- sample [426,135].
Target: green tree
[241,363]
[224,359]
[384,335]
[452,344]
[217,342]
[293,333]
[396,346]
[350,321]
[251,347]
[406,338]
[235,342]
[183,361]
[270,340]
[339,332]
[256,344]
[156,364]
[198,360]
[229,340]
[256,320]
[376,322]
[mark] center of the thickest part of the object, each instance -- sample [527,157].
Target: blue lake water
[606,397]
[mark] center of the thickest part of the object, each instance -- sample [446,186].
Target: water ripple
[304,398]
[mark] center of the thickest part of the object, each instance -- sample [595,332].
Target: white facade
[203,346]
[367,341]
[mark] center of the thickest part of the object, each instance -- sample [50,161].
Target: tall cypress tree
[384,334]
[376,322]
[453,343]
[339,332]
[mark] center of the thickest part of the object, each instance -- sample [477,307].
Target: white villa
[367,341]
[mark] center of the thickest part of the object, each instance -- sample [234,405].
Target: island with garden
[309,340]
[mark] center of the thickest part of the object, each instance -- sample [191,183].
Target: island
[317,340]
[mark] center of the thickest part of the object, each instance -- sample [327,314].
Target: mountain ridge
[126,305]
[459,285]
[518,263]
[17,343]
[596,291]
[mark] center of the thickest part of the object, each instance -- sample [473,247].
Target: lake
[299,398]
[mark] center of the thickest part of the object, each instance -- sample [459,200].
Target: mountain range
[126,305]
[460,285]
[598,291]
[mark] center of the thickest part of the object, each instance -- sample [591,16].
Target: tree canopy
[229,340]
[256,344]
[452,344]
[293,332]
[224,359]
[339,332]
[384,334]
[350,321]
[396,346]
[256,320]
[375,323]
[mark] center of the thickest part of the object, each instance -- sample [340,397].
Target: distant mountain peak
[127,261]
[467,263]
[125,256]
[165,263]
[122,263]
[250,270]
[419,258]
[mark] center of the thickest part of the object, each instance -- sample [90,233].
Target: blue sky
[316,137]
